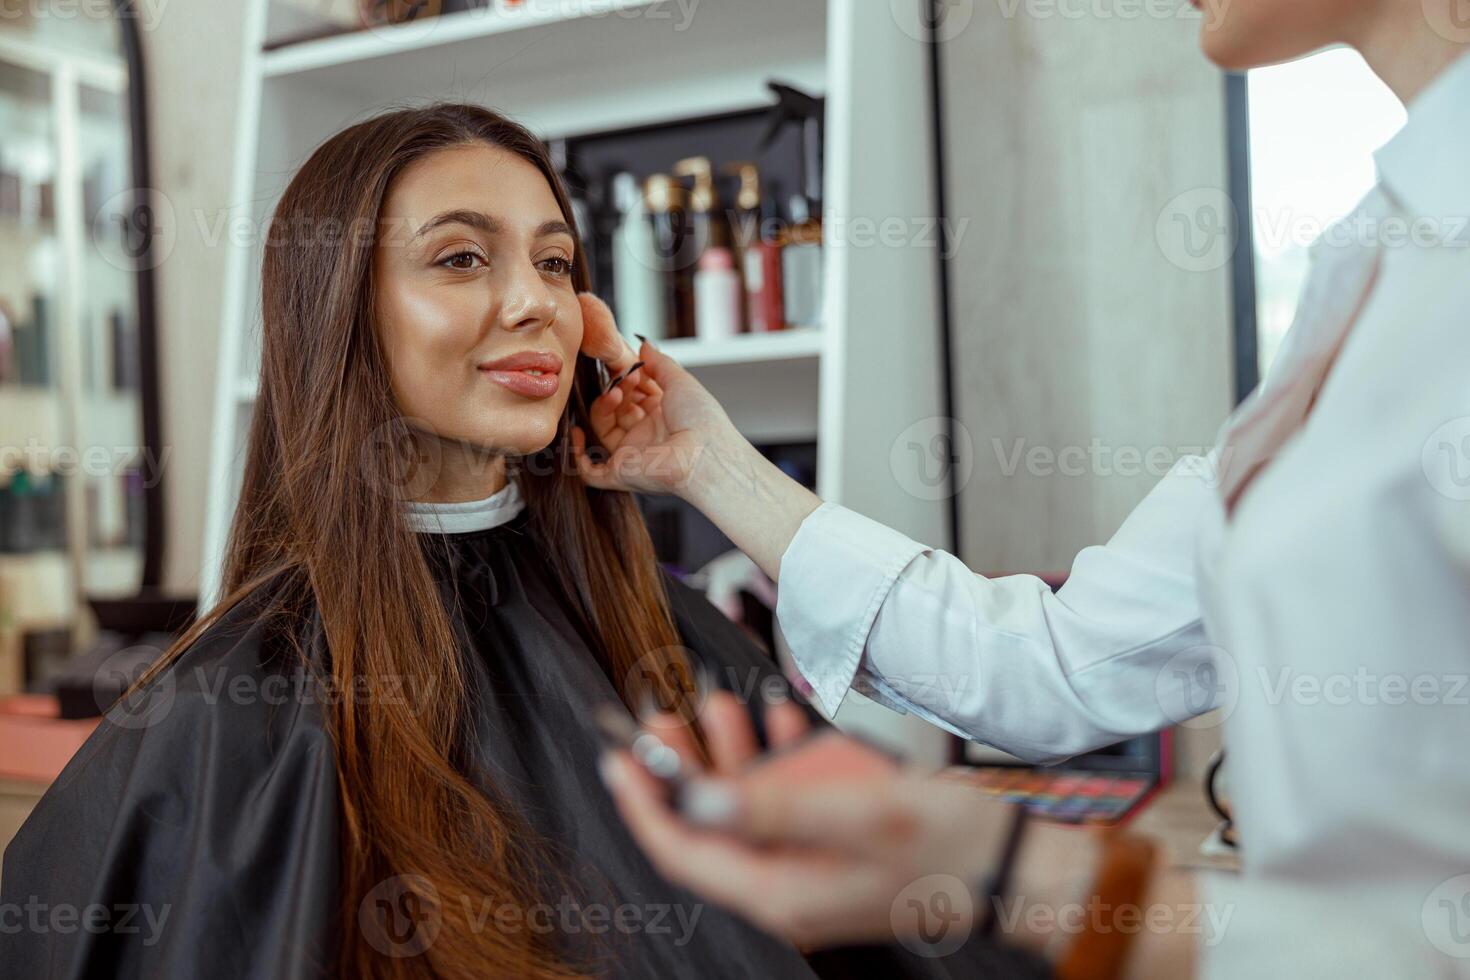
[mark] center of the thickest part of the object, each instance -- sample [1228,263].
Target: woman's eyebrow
[489,224]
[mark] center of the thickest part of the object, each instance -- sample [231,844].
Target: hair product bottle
[677,247]
[638,278]
[758,255]
[802,266]
[717,296]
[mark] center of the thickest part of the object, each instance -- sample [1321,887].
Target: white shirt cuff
[835,574]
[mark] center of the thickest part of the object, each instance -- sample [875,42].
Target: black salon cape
[200,832]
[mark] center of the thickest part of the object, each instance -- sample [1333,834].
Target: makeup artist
[1326,535]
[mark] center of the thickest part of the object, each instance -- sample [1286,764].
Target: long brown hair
[319,519]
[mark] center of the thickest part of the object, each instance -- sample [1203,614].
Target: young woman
[376,756]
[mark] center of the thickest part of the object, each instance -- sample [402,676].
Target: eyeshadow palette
[1068,797]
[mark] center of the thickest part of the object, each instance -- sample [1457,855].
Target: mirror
[80,474]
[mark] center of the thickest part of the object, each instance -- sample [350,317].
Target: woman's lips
[532,374]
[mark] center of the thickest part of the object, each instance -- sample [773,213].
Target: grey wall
[1080,319]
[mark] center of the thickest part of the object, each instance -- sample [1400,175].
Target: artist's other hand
[818,841]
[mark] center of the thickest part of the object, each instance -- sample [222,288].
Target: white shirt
[1327,615]
[470,515]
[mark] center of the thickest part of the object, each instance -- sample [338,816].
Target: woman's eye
[562,267]
[460,260]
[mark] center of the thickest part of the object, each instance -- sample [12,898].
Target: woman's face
[1240,34]
[475,303]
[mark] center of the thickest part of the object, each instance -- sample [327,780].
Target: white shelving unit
[565,68]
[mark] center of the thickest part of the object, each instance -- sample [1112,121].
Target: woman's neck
[463,473]
[1408,44]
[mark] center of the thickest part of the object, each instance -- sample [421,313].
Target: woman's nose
[527,301]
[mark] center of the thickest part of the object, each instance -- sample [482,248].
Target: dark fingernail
[635,367]
[641,337]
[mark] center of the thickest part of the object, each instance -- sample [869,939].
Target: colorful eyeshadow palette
[1067,797]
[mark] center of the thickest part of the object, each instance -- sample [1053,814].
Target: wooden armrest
[1123,877]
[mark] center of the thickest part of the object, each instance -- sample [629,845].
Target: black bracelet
[999,881]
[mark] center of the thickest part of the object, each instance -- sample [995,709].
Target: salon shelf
[425,35]
[569,68]
[803,344]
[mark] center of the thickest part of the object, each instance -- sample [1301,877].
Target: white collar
[470,515]
[1426,166]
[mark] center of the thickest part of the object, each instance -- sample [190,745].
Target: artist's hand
[656,423]
[822,842]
